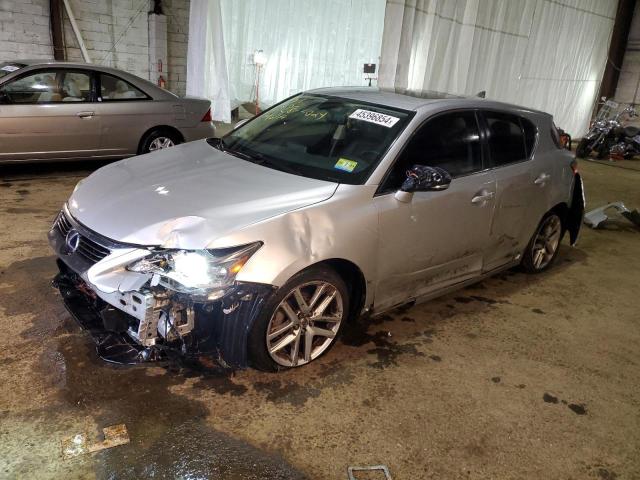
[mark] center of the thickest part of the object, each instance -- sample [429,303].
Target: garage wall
[628,89]
[24,29]
[115,33]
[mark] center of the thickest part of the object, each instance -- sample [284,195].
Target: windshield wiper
[277,166]
[252,157]
[220,145]
[217,143]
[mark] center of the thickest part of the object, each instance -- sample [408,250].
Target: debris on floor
[78,444]
[596,217]
[381,468]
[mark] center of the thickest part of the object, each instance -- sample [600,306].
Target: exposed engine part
[174,323]
[595,218]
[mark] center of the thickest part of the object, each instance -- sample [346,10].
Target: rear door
[438,238]
[522,185]
[48,114]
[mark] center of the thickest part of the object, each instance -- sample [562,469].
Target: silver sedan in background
[66,111]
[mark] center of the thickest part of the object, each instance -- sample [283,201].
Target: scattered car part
[78,444]
[381,468]
[596,217]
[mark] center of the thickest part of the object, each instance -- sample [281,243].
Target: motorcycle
[628,146]
[605,132]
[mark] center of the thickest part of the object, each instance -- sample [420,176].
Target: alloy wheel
[305,323]
[546,242]
[159,143]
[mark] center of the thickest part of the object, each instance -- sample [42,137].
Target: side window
[506,138]
[50,86]
[113,88]
[555,135]
[450,141]
[530,132]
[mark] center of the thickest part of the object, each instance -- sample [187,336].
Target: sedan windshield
[9,67]
[317,136]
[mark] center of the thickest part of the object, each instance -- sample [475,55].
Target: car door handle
[542,179]
[85,114]
[482,198]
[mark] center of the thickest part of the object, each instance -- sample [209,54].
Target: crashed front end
[146,303]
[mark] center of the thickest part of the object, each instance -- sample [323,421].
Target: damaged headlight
[203,273]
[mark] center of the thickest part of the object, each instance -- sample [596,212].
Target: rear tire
[583,150]
[543,247]
[278,338]
[158,139]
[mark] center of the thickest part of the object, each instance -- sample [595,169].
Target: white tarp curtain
[544,54]
[308,44]
[206,62]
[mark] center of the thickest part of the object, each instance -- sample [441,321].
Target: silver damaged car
[260,246]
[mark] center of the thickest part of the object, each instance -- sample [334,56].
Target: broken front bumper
[132,322]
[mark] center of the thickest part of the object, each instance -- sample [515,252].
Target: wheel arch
[165,128]
[562,209]
[353,277]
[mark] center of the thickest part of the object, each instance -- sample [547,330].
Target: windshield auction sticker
[345,164]
[374,117]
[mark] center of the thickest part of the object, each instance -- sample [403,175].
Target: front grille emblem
[72,241]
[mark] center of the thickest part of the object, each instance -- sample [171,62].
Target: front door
[48,114]
[438,238]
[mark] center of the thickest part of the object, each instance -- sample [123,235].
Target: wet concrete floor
[517,377]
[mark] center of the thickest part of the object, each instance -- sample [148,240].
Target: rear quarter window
[506,138]
[555,135]
[530,135]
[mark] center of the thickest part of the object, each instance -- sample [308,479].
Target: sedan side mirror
[4,98]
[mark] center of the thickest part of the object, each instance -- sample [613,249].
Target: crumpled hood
[187,196]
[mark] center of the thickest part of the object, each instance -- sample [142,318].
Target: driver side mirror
[4,98]
[422,178]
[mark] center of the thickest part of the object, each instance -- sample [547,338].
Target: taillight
[574,166]
[207,116]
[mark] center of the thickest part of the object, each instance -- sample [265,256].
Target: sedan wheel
[159,143]
[544,245]
[305,323]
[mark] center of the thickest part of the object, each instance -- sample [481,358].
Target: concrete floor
[517,377]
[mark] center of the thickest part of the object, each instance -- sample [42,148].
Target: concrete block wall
[628,89]
[177,39]
[24,29]
[115,32]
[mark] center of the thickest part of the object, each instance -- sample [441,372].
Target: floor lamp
[259,58]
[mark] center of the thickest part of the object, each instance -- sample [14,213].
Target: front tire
[159,139]
[603,150]
[583,150]
[300,322]
[544,245]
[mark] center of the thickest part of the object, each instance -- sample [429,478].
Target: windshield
[317,136]
[9,67]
